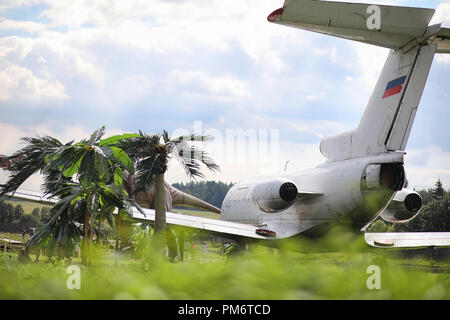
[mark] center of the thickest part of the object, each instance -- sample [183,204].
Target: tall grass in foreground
[258,273]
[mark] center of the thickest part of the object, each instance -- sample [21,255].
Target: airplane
[363,177]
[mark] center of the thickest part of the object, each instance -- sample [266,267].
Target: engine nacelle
[405,205]
[274,195]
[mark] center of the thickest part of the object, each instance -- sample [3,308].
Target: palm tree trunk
[98,234]
[160,204]
[117,231]
[160,213]
[85,249]
[91,230]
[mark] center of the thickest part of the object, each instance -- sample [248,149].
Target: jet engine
[274,195]
[405,205]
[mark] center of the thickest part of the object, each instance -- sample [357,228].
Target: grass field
[13,236]
[257,273]
[27,206]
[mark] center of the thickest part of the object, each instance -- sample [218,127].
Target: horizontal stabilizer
[355,21]
[408,239]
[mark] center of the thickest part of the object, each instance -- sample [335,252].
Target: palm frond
[190,156]
[29,160]
[96,136]
[61,207]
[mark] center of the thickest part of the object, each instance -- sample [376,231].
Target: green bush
[256,273]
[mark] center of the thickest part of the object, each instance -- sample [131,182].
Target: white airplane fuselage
[346,190]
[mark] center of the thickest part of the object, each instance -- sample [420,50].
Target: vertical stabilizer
[389,115]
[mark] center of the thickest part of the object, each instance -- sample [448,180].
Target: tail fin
[389,115]
[388,118]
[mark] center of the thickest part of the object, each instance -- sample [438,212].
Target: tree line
[14,219]
[210,191]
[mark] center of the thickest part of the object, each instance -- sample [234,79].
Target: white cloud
[198,83]
[321,128]
[156,27]
[28,26]
[134,88]
[370,60]
[443,58]
[8,4]
[331,53]
[427,166]
[20,83]
[316,96]
[63,54]
[442,15]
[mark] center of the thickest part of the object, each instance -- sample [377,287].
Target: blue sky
[69,67]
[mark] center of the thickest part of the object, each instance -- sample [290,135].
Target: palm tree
[151,154]
[98,166]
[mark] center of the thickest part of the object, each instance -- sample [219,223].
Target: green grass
[12,236]
[258,273]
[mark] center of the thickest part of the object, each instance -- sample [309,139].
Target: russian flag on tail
[394,86]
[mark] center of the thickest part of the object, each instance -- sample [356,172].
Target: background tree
[9,213]
[151,154]
[3,212]
[427,195]
[210,191]
[36,213]
[439,190]
[45,215]
[18,212]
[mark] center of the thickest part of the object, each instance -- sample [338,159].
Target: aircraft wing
[407,239]
[33,196]
[233,230]
[225,229]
